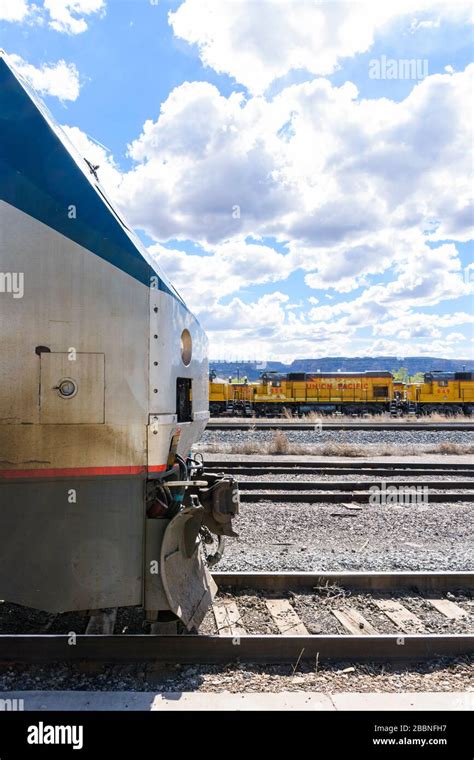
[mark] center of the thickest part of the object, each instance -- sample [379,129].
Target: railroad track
[257,424]
[360,606]
[279,466]
[334,491]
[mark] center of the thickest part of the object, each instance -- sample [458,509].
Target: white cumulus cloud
[69,15]
[59,79]
[257,42]
[13,10]
[354,177]
[66,16]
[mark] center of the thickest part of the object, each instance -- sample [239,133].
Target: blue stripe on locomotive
[39,176]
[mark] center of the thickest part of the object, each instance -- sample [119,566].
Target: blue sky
[302,206]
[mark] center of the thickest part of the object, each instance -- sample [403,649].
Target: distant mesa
[413,364]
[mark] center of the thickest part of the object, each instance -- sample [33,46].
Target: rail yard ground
[287,536]
[453,675]
[325,536]
[439,618]
[326,442]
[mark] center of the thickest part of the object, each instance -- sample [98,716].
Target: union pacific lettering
[339,386]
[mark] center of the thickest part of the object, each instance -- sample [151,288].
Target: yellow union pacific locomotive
[299,393]
[448,392]
[348,392]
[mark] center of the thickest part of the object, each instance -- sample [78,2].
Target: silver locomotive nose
[103,392]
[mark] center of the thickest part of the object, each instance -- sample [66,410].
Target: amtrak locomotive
[103,392]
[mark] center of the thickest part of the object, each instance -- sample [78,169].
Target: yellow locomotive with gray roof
[448,392]
[341,392]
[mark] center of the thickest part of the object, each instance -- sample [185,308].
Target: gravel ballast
[324,442]
[440,675]
[331,537]
[402,437]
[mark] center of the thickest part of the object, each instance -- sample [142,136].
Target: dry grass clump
[439,417]
[248,447]
[451,448]
[382,417]
[378,418]
[281,445]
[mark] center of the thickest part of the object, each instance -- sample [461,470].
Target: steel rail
[213,649]
[383,582]
[287,468]
[350,485]
[279,425]
[293,471]
[324,466]
[279,497]
[218,649]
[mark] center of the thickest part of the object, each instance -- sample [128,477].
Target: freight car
[103,391]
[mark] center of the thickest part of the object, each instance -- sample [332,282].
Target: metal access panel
[72,388]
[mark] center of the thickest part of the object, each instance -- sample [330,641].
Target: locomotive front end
[103,392]
[188,511]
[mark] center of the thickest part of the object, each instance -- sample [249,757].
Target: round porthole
[67,388]
[186,347]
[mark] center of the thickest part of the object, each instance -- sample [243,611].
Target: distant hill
[252,370]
